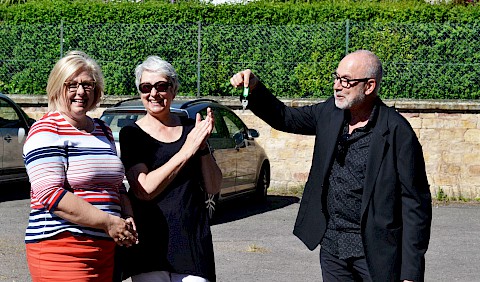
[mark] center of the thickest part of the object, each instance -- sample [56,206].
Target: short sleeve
[131,147]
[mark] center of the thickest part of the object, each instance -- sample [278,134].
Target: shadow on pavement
[239,208]
[14,191]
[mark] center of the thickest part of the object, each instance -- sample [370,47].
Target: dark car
[244,164]
[14,127]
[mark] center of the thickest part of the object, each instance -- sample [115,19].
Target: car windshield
[116,120]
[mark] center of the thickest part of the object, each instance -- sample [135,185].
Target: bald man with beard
[367,200]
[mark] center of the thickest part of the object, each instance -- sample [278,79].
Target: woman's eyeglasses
[72,86]
[160,86]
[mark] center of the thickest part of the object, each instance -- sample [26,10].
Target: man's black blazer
[396,208]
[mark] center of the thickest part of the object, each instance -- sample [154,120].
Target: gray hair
[157,65]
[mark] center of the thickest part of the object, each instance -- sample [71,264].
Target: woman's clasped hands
[123,231]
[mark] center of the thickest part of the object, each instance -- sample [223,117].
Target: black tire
[263,183]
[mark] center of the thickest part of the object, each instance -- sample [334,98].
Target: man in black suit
[367,200]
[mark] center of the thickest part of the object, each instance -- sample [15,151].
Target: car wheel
[262,183]
[211,202]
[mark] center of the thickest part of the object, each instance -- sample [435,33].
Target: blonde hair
[65,69]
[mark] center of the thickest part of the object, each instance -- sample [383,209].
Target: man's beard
[348,102]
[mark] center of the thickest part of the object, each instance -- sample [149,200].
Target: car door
[224,151]
[245,153]
[13,133]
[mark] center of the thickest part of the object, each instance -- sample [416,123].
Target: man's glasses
[347,83]
[160,86]
[72,86]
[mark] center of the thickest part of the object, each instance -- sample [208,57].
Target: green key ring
[245,92]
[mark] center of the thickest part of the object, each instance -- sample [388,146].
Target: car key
[244,99]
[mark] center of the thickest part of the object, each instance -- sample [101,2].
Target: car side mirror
[21,135]
[253,133]
[239,139]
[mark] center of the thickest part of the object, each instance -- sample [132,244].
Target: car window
[8,116]
[219,129]
[234,125]
[220,137]
[118,120]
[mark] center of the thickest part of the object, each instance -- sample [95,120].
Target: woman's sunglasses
[160,86]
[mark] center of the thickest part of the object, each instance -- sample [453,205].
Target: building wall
[449,132]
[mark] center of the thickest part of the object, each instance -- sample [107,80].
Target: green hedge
[429,51]
[259,12]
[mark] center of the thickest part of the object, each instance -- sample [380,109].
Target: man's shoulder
[392,118]
[389,112]
[330,101]
[328,104]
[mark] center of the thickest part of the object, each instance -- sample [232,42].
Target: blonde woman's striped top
[55,151]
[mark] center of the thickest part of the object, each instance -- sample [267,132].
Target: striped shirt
[55,151]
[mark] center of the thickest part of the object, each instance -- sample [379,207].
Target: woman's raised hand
[197,138]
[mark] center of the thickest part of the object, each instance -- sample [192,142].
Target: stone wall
[450,141]
[449,132]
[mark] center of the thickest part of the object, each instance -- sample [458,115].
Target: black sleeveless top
[174,232]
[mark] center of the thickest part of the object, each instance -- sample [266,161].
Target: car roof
[189,107]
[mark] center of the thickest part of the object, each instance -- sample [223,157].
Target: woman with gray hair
[167,161]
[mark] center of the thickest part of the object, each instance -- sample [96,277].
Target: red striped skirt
[65,257]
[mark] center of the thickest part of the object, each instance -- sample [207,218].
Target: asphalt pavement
[254,242]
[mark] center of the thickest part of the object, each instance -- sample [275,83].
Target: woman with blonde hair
[79,208]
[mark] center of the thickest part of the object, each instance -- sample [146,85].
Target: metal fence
[421,60]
